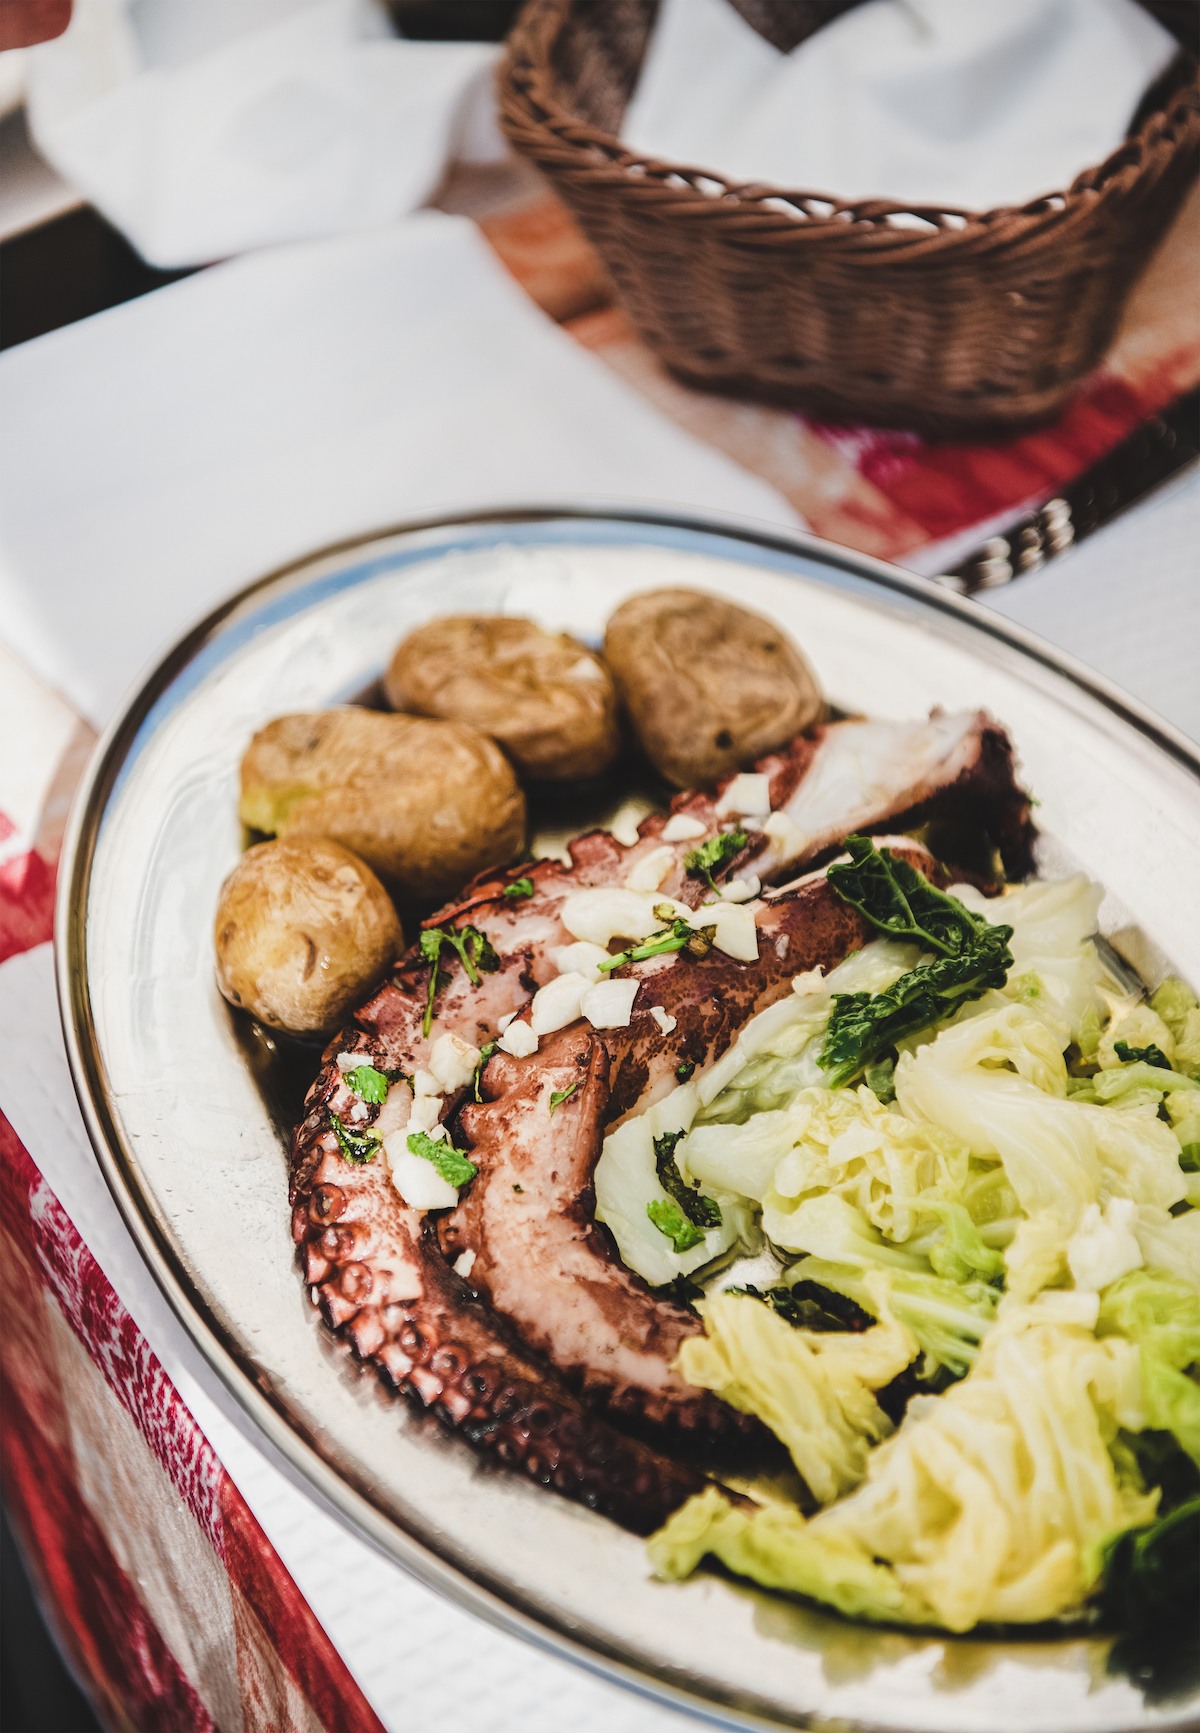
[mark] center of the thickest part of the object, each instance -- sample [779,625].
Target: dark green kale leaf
[1150,1055]
[900,901]
[701,1211]
[1152,1574]
[971,956]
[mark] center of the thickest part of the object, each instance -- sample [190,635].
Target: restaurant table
[191,1582]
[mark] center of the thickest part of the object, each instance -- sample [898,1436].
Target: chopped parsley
[472,948]
[684,1071]
[368,1084]
[558,1096]
[441,1155]
[518,888]
[353,1145]
[485,1053]
[701,1211]
[669,1220]
[679,936]
[713,855]
[1151,1055]
[970,956]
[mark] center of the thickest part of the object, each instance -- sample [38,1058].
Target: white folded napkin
[965,103]
[159,454]
[202,128]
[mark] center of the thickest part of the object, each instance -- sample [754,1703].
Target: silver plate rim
[405,1545]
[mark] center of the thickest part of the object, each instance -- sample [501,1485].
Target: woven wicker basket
[971,321]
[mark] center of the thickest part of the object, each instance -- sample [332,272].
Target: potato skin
[426,804]
[303,932]
[709,686]
[544,696]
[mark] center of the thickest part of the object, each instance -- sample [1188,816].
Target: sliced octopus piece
[381,1280]
[526,1222]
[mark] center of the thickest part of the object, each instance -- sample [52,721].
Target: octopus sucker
[541,1350]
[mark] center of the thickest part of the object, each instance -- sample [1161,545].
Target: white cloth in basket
[961,103]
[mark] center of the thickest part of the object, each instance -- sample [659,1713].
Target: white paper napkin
[202,128]
[948,102]
[160,454]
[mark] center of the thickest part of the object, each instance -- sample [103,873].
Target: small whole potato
[546,698]
[709,686]
[304,931]
[427,804]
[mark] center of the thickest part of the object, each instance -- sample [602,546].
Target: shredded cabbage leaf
[992,1502]
[814,1389]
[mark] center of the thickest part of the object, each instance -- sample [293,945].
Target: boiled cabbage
[814,1389]
[948,1318]
[992,1501]
[1161,1316]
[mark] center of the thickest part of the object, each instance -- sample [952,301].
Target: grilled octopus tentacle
[375,1266]
[381,1279]
[526,1221]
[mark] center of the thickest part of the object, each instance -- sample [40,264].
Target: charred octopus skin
[540,1346]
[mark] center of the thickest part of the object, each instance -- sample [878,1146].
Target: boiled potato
[548,701]
[426,804]
[709,686]
[304,931]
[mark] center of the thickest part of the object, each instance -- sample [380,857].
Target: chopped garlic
[417,1180]
[608,913]
[425,1083]
[741,890]
[579,959]
[664,1019]
[585,669]
[557,1004]
[624,825]
[736,934]
[811,981]
[452,1062]
[680,827]
[519,1040]
[787,841]
[351,1061]
[426,1114]
[508,1017]
[609,1004]
[747,796]
[464,1263]
[649,872]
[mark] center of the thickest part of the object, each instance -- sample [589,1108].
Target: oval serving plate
[193,1145]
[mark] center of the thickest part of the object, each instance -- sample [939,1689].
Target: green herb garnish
[368,1084]
[353,1145]
[711,856]
[669,1220]
[701,1211]
[971,956]
[558,1096]
[679,936]
[472,948]
[518,888]
[485,1053]
[1150,1055]
[451,1163]
[684,1071]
